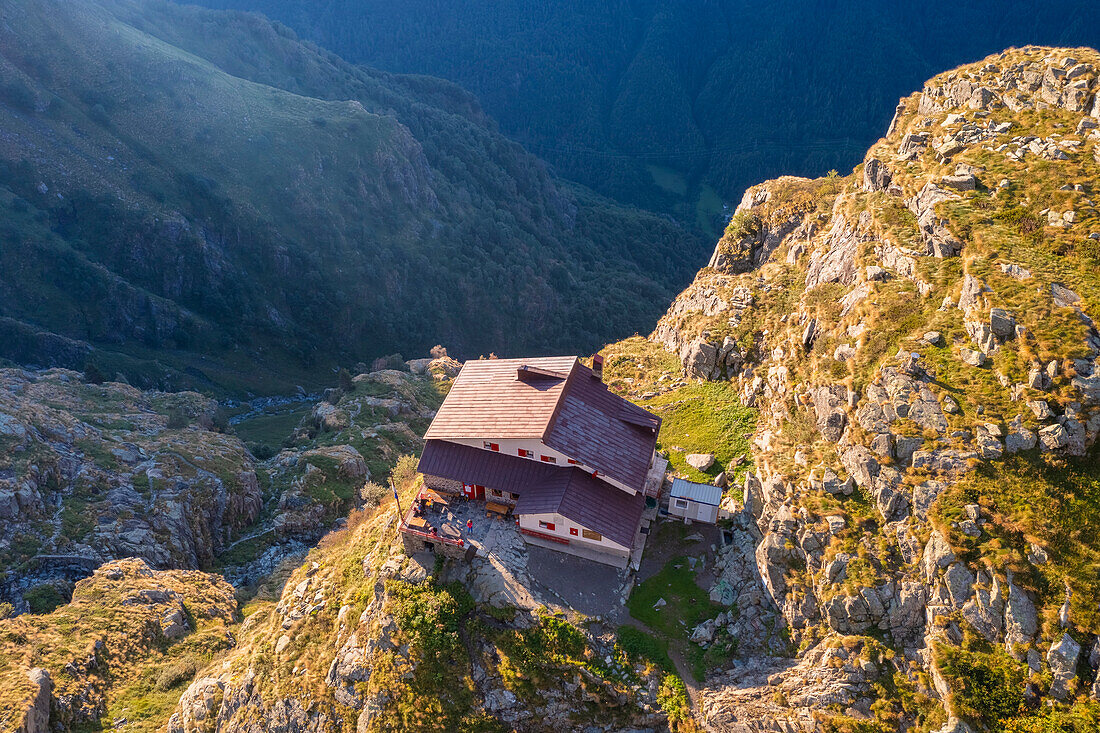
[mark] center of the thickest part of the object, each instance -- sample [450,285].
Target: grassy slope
[138,673]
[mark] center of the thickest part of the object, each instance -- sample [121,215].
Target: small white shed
[697,502]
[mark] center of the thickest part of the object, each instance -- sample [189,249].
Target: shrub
[673,698]
[178,672]
[93,374]
[346,382]
[372,493]
[392,361]
[987,688]
[404,473]
[177,419]
[262,451]
[44,598]
[742,224]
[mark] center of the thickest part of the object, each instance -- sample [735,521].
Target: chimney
[597,366]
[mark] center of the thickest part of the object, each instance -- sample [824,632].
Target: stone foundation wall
[415,543]
[443,485]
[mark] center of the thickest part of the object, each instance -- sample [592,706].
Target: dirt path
[682,668]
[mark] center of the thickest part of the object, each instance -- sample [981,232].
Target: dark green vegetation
[678,105]
[196,198]
[986,684]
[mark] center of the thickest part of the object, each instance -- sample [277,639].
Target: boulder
[876,176]
[37,718]
[1054,438]
[198,707]
[700,461]
[1002,323]
[1021,621]
[1019,438]
[960,583]
[174,624]
[1062,658]
[972,357]
[874,272]
[960,181]
[1041,409]
[699,359]
[829,405]
[954,725]
[1038,379]
[972,293]
[937,555]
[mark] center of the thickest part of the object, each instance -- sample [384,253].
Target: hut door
[469,491]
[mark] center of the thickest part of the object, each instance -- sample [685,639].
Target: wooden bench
[494,508]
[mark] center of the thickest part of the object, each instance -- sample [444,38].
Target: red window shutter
[494,446]
[550,526]
[573,531]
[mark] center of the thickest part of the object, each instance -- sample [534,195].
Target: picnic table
[494,507]
[418,523]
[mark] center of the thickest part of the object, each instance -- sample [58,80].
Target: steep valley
[894,374]
[197,199]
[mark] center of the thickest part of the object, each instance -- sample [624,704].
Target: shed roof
[556,400]
[701,493]
[543,488]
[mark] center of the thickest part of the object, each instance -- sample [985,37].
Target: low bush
[174,674]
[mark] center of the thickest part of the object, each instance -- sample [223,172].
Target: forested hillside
[196,198]
[679,106]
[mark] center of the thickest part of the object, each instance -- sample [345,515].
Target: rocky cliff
[919,340]
[367,637]
[92,472]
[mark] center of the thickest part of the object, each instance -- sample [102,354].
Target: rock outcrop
[124,620]
[874,314]
[92,472]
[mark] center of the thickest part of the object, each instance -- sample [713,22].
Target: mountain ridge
[232,223]
[896,375]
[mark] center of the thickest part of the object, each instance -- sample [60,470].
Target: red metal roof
[542,488]
[479,466]
[591,503]
[604,431]
[556,400]
[492,398]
